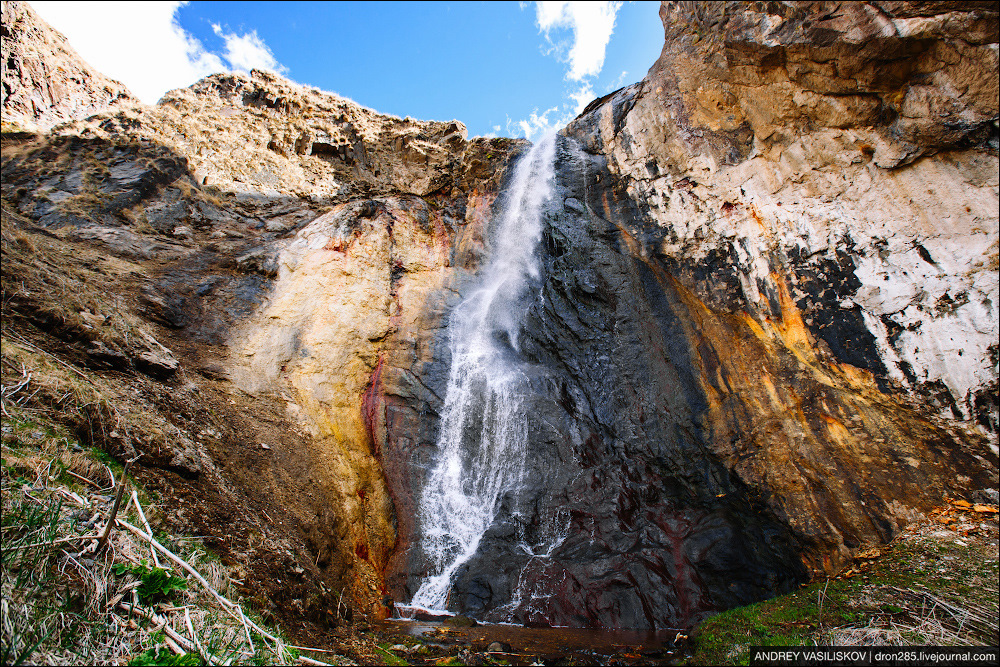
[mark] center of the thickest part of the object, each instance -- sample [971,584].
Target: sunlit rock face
[684,457]
[763,330]
[351,335]
[849,152]
[263,134]
[287,239]
[45,82]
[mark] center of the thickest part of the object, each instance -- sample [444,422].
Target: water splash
[483,439]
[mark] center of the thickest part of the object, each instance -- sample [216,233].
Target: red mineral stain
[372,401]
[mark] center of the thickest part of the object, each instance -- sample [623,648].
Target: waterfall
[483,439]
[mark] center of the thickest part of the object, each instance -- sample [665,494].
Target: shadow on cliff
[129,274]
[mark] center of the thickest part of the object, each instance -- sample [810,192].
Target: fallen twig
[114,512]
[194,637]
[88,481]
[183,643]
[230,606]
[145,523]
[48,542]
[66,493]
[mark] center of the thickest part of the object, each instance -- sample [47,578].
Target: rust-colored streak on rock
[817,439]
[793,330]
[373,407]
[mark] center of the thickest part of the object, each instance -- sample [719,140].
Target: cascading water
[483,438]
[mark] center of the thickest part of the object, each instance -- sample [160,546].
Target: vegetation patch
[68,600]
[935,585]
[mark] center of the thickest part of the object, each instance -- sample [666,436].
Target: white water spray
[483,439]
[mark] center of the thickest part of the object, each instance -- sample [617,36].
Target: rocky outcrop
[766,332]
[286,243]
[44,81]
[756,329]
[684,457]
[265,135]
[778,147]
[358,311]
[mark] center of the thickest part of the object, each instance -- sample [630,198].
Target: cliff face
[787,278]
[44,81]
[763,334]
[236,265]
[782,143]
[767,318]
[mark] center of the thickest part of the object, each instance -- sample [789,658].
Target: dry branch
[114,512]
[48,542]
[145,523]
[230,606]
[84,479]
[183,642]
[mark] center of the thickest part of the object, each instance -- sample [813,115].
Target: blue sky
[504,68]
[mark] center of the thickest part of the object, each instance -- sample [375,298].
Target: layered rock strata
[847,150]
[771,294]
[281,240]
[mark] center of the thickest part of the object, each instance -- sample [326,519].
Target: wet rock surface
[679,455]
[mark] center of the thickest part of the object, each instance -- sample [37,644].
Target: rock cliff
[244,234]
[44,81]
[785,140]
[764,333]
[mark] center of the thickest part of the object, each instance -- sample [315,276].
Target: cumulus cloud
[591,25]
[248,51]
[581,97]
[539,124]
[577,33]
[142,44]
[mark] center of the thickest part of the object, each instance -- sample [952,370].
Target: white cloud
[577,33]
[591,24]
[538,125]
[617,83]
[582,97]
[248,51]
[142,45]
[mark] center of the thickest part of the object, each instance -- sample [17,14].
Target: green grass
[825,612]
[58,601]
[388,657]
[161,655]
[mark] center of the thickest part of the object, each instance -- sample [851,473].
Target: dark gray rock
[263,261]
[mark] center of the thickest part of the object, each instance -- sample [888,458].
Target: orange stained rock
[836,429]
[792,329]
[858,378]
